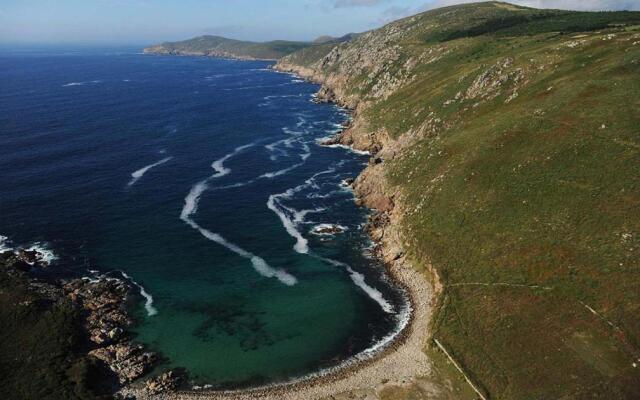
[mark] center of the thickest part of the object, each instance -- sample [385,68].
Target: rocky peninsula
[221,47]
[75,329]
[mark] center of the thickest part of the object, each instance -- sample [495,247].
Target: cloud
[357,3]
[590,5]
[578,5]
[394,13]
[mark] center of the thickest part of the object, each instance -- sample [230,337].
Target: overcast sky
[147,21]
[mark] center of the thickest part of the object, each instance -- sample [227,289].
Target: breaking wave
[148,303]
[44,255]
[4,245]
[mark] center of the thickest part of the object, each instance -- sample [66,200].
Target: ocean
[202,183]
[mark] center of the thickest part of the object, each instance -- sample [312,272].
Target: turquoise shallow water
[202,180]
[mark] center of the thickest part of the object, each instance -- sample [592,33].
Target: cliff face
[504,155]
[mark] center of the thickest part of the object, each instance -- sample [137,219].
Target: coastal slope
[217,46]
[506,165]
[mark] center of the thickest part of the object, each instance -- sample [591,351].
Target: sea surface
[199,181]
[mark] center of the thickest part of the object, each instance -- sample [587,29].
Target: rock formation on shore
[97,306]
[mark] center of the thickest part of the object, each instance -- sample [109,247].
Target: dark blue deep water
[201,180]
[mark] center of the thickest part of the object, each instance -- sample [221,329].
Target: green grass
[536,193]
[541,190]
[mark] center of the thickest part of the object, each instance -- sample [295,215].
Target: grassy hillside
[516,159]
[223,47]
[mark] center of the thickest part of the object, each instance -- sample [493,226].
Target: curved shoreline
[397,362]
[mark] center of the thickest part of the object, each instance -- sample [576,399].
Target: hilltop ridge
[218,46]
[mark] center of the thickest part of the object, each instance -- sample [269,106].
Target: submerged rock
[348,182]
[328,229]
[28,256]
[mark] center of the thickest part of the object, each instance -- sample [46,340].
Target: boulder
[167,382]
[129,361]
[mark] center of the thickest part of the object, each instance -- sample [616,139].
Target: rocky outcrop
[129,361]
[101,301]
[167,382]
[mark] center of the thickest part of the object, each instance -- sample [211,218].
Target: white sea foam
[218,165]
[280,96]
[321,141]
[307,151]
[148,304]
[273,174]
[344,146]
[191,207]
[288,143]
[4,244]
[359,280]
[259,264]
[73,84]
[299,216]
[301,121]
[192,199]
[283,212]
[330,194]
[302,244]
[140,173]
[43,254]
[274,146]
[276,150]
[291,132]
